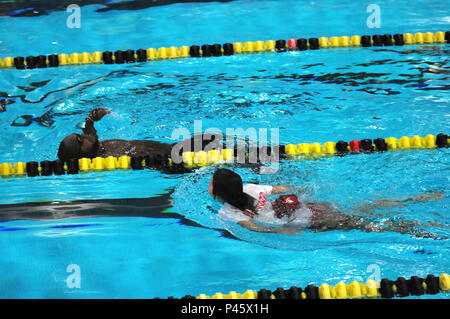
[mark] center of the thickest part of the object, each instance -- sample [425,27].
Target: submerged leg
[402,227]
[389,203]
[332,219]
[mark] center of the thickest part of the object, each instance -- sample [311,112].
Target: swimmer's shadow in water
[153,207]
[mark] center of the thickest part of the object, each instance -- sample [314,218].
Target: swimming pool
[312,96]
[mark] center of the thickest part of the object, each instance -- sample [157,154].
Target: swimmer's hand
[97,114]
[285,230]
[283,189]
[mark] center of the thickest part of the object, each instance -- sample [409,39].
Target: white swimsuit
[265,213]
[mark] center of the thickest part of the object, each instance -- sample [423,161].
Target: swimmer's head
[78,146]
[228,187]
[225,183]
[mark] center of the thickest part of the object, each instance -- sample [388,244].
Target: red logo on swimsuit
[261,201]
[259,205]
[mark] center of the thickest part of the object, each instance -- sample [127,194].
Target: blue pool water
[168,241]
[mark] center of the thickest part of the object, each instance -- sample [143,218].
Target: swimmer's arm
[282,189]
[95,116]
[265,229]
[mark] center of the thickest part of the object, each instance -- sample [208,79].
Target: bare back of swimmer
[88,144]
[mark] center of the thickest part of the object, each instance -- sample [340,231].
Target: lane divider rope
[191,160]
[415,286]
[227,49]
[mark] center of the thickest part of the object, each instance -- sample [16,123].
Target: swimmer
[248,206]
[87,144]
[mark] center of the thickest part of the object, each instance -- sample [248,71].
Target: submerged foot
[428,197]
